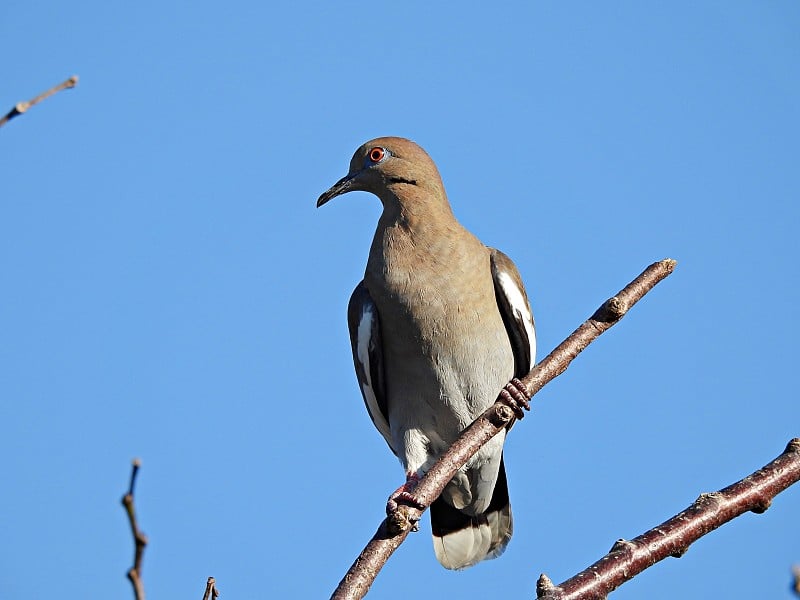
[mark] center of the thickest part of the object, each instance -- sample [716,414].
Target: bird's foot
[515,395]
[405,495]
[397,507]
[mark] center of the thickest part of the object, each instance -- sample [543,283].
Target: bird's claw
[401,520]
[404,495]
[515,395]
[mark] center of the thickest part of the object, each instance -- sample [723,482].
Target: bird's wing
[365,340]
[516,311]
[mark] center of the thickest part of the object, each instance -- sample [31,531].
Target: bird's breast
[444,342]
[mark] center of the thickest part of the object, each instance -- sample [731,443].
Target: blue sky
[170,291]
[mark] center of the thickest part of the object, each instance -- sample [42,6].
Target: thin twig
[394,529]
[21,107]
[211,589]
[627,559]
[140,540]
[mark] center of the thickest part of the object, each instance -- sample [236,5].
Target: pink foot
[516,396]
[404,495]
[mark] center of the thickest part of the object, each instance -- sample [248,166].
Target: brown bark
[394,529]
[626,559]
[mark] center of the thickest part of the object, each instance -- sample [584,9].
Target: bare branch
[140,540]
[21,107]
[211,589]
[672,538]
[394,529]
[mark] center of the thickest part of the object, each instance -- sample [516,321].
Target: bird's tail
[461,540]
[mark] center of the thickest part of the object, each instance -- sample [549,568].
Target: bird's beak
[337,189]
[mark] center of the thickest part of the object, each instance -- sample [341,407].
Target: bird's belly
[442,372]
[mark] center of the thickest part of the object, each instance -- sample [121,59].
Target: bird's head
[392,168]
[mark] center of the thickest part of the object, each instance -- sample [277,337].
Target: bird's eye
[376,155]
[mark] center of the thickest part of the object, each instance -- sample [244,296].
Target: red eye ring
[377,154]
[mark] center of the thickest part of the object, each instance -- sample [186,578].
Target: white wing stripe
[362,353]
[520,308]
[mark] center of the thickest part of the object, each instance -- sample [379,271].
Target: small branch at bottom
[627,559]
[140,539]
[211,589]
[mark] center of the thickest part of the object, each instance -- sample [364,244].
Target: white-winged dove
[438,326]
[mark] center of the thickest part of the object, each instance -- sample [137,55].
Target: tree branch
[140,540]
[211,589]
[21,107]
[672,538]
[394,529]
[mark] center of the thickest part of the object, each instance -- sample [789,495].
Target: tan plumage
[438,325]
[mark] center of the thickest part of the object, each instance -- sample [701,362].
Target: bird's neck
[418,210]
[416,235]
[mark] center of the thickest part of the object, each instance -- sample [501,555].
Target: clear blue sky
[169,290]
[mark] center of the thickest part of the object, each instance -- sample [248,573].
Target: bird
[439,325]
